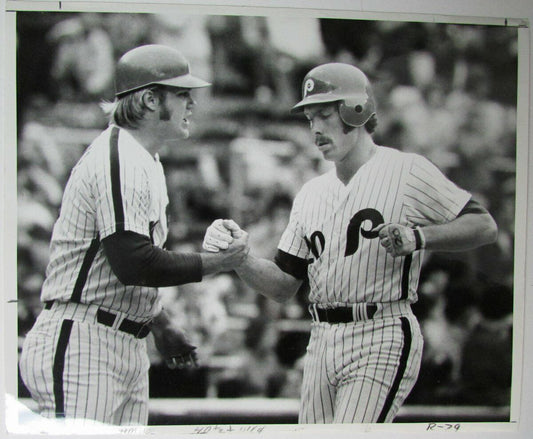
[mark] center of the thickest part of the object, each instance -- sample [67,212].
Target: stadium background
[446,91]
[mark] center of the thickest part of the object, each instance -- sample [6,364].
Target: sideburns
[347,128]
[164,114]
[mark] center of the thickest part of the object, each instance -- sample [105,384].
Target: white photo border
[490,13]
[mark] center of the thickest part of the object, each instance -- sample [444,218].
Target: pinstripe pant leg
[89,378]
[383,372]
[114,387]
[36,362]
[100,369]
[134,407]
[412,368]
[134,410]
[318,394]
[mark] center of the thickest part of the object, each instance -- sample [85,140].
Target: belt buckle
[363,311]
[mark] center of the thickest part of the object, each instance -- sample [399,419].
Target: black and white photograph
[258,221]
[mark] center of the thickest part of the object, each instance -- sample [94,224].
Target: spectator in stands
[487,353]
[83,67]
[260,372]
[447,312]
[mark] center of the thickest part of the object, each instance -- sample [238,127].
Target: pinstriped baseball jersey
[73,365]
[330,225]
[116,185]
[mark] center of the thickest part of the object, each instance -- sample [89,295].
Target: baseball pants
[77,368]
[360,372]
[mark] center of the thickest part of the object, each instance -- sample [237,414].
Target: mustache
[321,140]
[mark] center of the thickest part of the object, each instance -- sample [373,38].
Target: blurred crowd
[446,91]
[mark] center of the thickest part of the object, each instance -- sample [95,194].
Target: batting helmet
[345,83]
[153,64]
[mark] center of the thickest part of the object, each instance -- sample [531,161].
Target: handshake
[224,236]
[220,235]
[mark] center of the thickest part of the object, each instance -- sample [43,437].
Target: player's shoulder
[396,154]
[128,146]
[409,158]
[120,144]
[100,143]
[90,157]
[114,144]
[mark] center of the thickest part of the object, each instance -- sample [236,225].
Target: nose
[315,127]
[190,102]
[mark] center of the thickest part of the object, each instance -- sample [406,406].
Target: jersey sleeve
[123,193]
[430,197]
[292,240]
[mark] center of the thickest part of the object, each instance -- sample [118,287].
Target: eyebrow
[324,109]
[179,92]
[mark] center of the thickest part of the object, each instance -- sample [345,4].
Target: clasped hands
[397,239]
[226,235]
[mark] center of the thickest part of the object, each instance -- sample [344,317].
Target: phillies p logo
[309,86]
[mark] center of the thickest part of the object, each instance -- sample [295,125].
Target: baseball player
[85,356]
[358,234]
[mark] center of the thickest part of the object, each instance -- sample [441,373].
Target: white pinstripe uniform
[362,371]
[73,365]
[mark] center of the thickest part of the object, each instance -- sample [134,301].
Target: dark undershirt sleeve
[472,207]
[292,265]
[136,261]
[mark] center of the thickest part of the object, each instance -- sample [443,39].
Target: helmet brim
[183,81]
[322,98]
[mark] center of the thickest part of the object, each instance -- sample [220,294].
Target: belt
[346,314]
[137,329]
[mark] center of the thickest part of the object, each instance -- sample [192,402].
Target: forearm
[268,279]
[161,322]
[466,232]
[135,261]
[215,262]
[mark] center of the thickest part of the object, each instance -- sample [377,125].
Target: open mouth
[321,141]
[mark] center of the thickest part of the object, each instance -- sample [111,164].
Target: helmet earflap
[356,111]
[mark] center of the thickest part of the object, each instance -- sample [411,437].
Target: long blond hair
[128,110]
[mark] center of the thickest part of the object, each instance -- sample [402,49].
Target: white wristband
[419,238]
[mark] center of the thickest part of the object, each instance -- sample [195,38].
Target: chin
[328,156]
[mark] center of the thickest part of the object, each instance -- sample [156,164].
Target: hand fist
[233,227]
[182,361]
[217,236]
[397,239]
[174,346]
[220,234]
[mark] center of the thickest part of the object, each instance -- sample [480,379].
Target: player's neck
[146,139]
[363,150]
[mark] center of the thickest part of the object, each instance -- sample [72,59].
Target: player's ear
[150,99]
